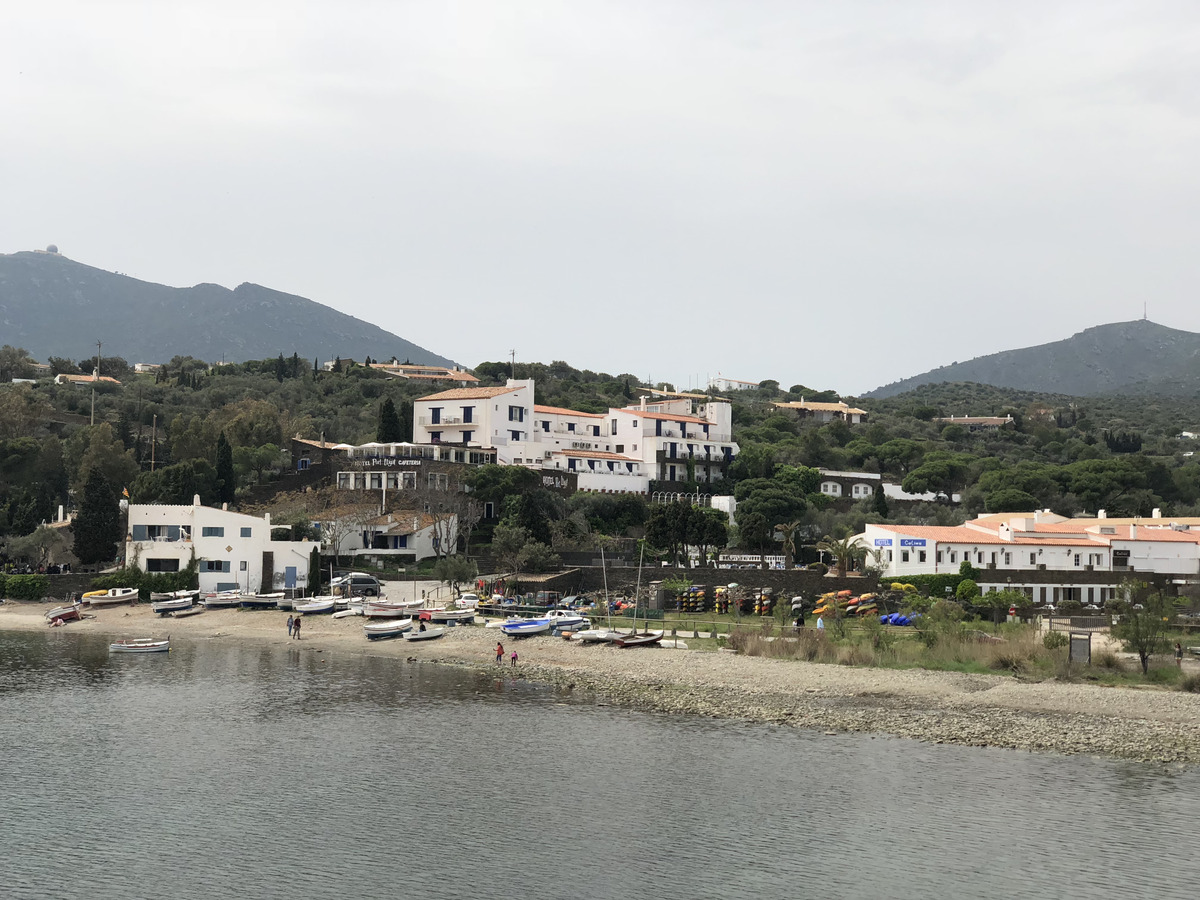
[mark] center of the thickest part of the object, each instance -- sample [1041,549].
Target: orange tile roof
[946,534]
[560,411]
[666,417]
[81,379]
[1148,533]
[476,393]
[821,407]
[599,454]
[451,376]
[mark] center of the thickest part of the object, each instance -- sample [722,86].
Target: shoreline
[1139,724]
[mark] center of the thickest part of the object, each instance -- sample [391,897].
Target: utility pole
[153,440]
[513,365]
[95,378]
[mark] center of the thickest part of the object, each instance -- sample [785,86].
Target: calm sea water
[229,771]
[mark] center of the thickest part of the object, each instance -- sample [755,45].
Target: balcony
[441,420]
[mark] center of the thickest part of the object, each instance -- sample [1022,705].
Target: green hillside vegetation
[1068,454]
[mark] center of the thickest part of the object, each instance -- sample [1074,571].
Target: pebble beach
[1147,724]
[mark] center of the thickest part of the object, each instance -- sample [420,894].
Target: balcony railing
[441,420]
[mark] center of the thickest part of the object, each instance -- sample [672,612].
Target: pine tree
[880,504]
[406,421]
[97,525]
[389,430]
[280,368]
[226,479]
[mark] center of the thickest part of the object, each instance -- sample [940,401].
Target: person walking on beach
[296,628]
[514,659]
[499,653]
[290,622]
[1178,655]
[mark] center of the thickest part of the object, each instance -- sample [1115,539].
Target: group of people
[500,654]
[293,624]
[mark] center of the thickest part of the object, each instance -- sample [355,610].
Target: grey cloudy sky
[833,194]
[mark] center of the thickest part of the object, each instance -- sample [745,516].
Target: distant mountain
[53,306]
[1107,359]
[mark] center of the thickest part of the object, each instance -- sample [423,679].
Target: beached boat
[140,645]
[525,627]
[68,613]
[390,609]
[596,636]
[496,623]
[441,614]
[639,639]
[184,613]
[250,600]
[285,602]
[386,629]
[314,605]
[111,596]
[427,635]
[347,613]
[219,599]
[561,618]
[162,607]
[174,595]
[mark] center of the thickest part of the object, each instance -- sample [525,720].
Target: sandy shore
[975,710]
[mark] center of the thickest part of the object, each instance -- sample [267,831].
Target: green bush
[2,577]
[26,587]
[1162,675]
[148,582]
[1190,683]
[1055,640]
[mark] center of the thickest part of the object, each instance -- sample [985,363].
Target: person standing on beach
[514,659]
[296,628]
[290,621]
[820,624]
[1178,655]
[499,653]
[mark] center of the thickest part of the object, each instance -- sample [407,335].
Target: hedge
[147,582]
[935,585]
[24,587]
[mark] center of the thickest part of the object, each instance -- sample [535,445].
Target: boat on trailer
[111,597]
[140,645]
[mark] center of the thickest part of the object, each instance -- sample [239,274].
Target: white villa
[665,437]
[233,550]
[1040,541]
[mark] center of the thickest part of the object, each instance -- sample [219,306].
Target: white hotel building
[1040,541]
[665,437]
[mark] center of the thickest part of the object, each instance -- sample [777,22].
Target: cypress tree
[880,504]
[97,525]
[389,430]
[226,479]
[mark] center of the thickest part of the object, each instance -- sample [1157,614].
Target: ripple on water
[227,771]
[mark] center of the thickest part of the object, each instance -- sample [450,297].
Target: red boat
[64,613]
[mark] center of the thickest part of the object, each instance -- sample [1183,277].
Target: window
[438,481]
[139,533]
[920,556]
[435,437]
[516,414]
[246,532]
[514,435]
[345,481]
[595,431]
[212,531]
[242,566]
[939,556]
[979,556]
[468,436]
[545,425]
[435,415]
[571,427]
[889,556]
[401,541]
[571,464]
[468,412]
[162,565]
[903,556]
[302,464]
[614,426]
[376,480]
[620,448]
[993,557]
[1076,559]
[953,556]
[214,565]
[408,480]
[1008,559]
[1033,559]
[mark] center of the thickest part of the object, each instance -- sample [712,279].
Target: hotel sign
[912,542]
[883,542]
[382,462]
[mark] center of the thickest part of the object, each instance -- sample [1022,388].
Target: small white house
[232,550]
[401,533]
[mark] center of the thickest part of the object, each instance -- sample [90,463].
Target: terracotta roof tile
[474,393]
[561,411]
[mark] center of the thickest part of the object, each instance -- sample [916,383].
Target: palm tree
[788,530]
[845,552]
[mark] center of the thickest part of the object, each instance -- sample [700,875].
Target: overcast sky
[833,194]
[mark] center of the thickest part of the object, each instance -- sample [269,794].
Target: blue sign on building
[883,542]
[912,542]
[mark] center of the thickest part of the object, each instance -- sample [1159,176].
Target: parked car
[357,584]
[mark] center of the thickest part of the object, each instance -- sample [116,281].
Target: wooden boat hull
[427,635]
[448,615]
[112,597]
[65,613]
[221,599]
[645,639]
[162,607]
[314,607]
[140,645]
[378,609]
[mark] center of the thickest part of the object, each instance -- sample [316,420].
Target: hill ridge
[56,306]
